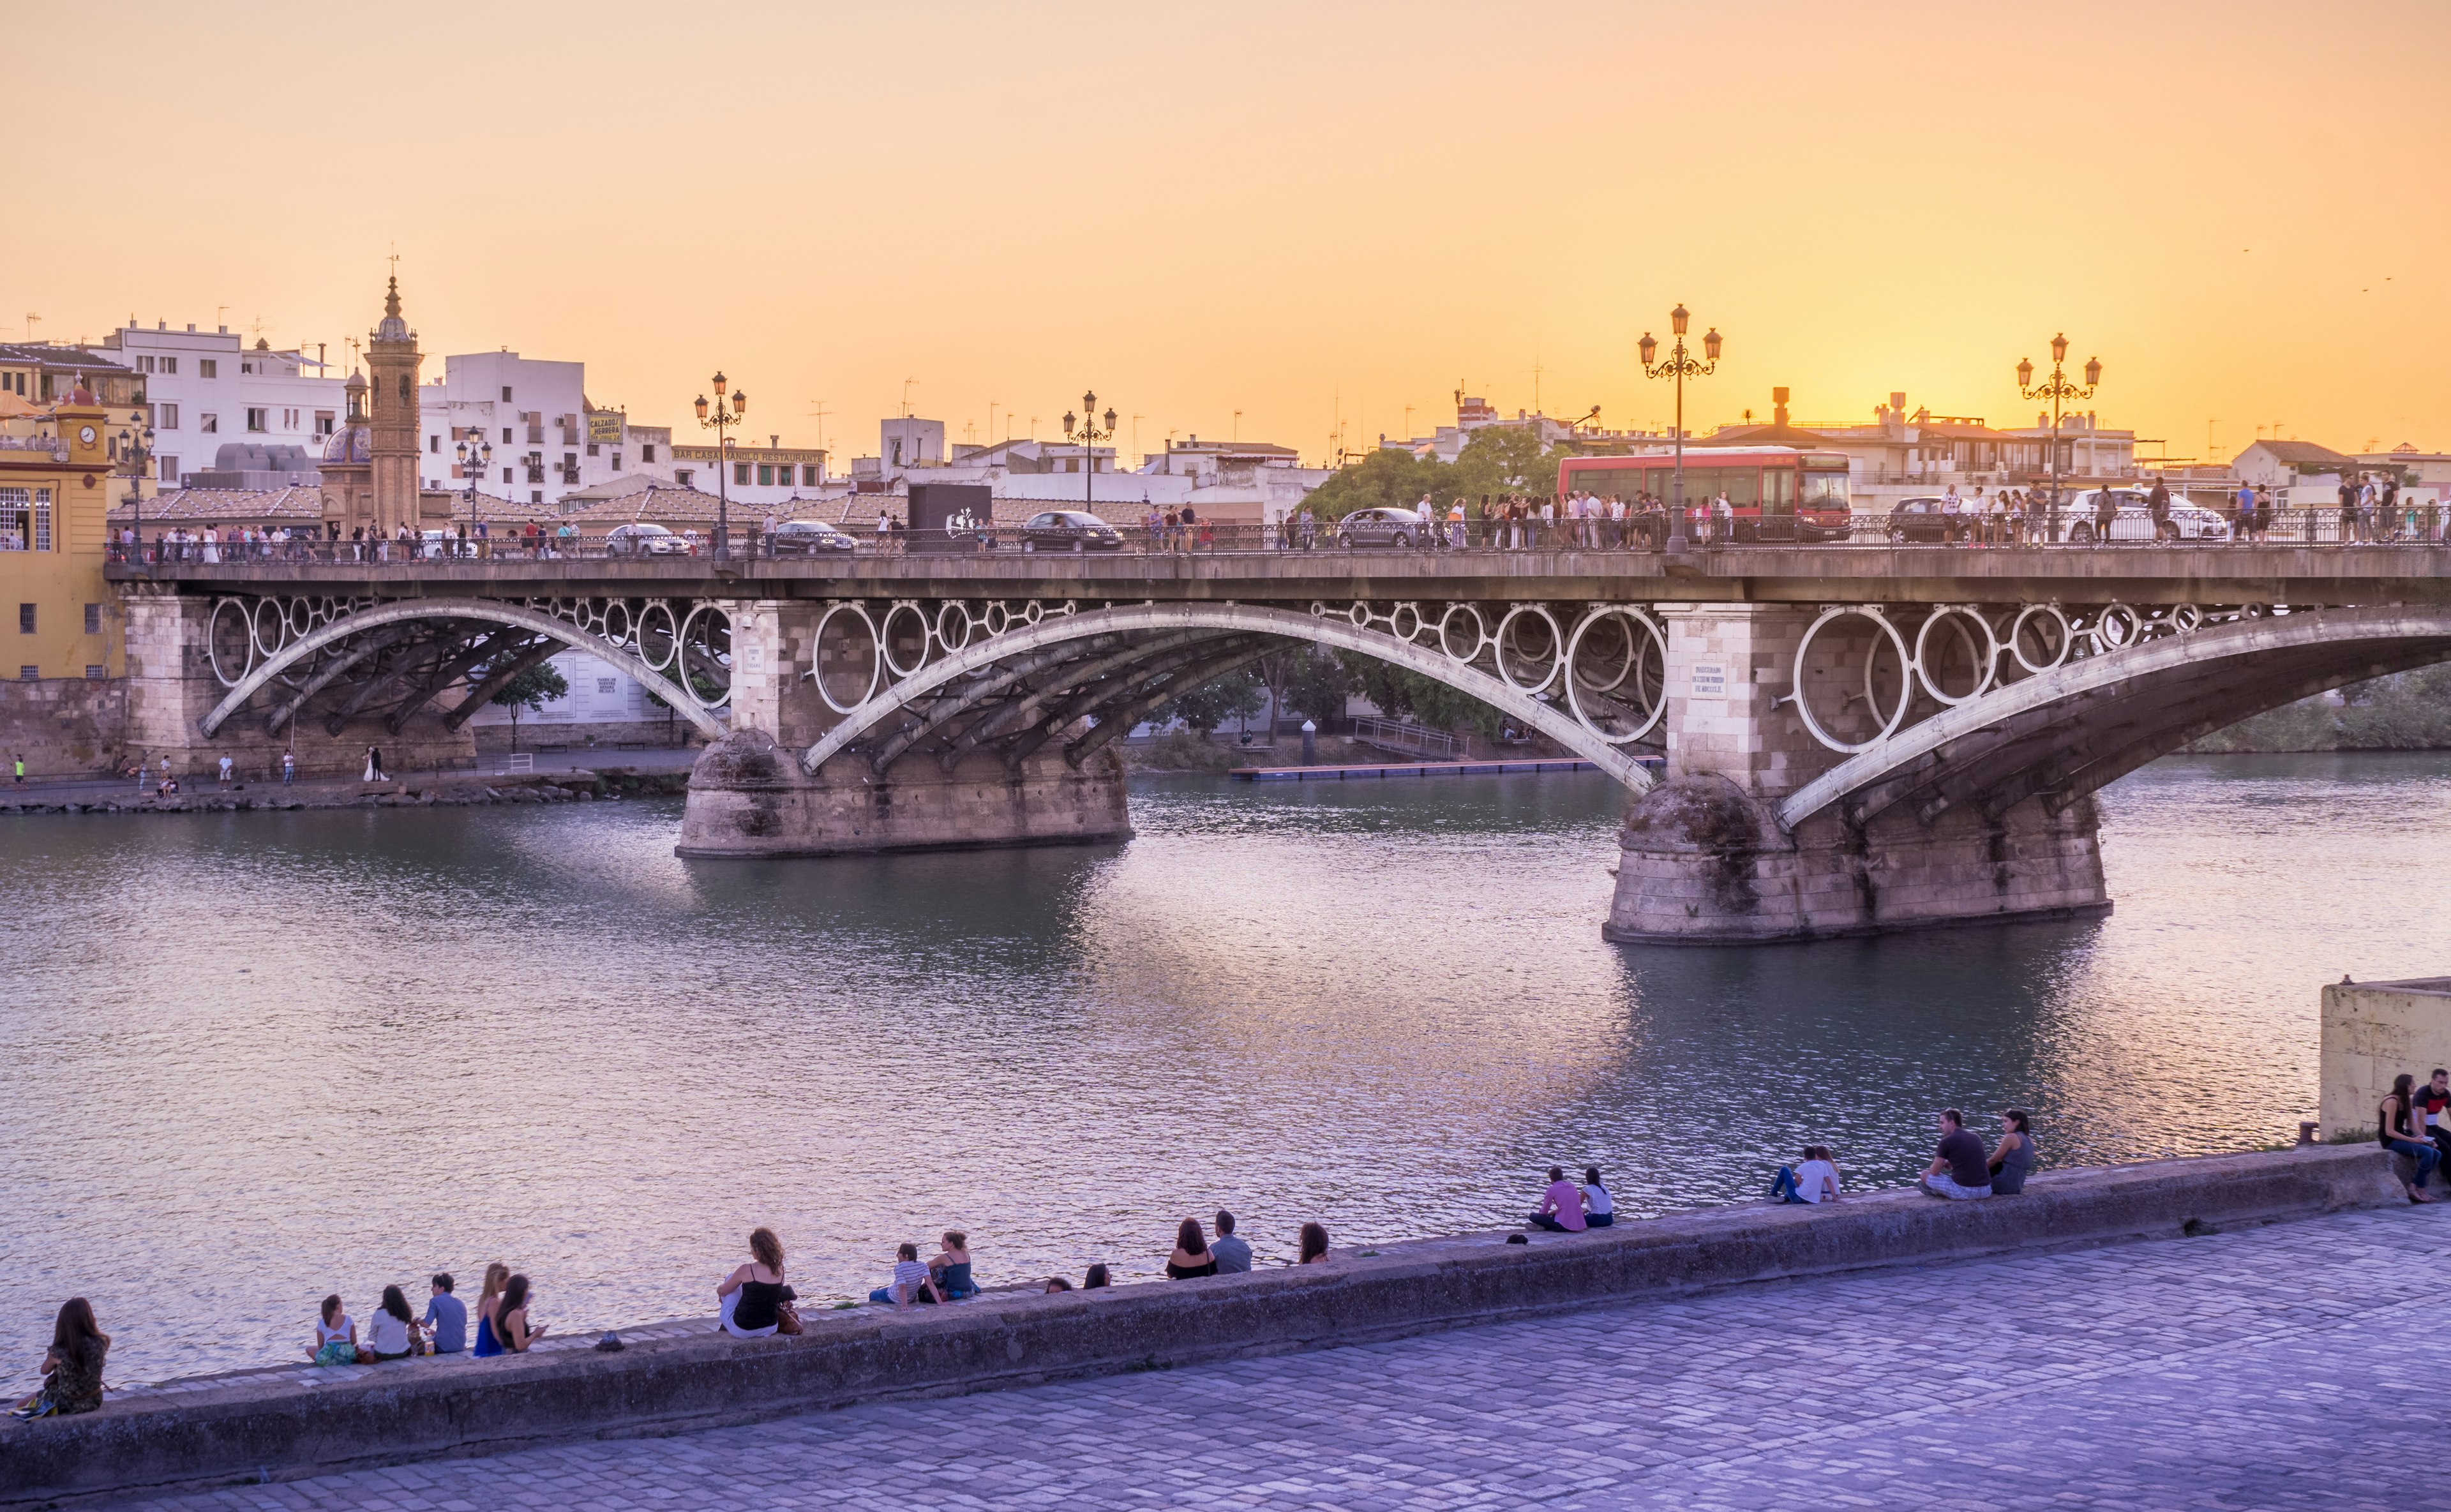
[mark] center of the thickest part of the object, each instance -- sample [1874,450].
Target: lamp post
[1680,366]
[2058,389]
[722,420]
[1089,435]
[476,455]
[136,449]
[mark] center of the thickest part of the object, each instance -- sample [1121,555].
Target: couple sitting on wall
[1960,1170]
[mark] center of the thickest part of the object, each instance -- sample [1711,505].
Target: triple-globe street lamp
[136,449]
[1089,435]
[1679,366]
[476,456]
[2058,388]
[722,420]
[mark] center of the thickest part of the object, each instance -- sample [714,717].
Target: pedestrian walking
[19,776]
[288,768]
[225,774]
[374,766]
[143,764]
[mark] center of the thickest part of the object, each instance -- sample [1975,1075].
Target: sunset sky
[1297,212]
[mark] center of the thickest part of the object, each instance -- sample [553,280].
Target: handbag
[787,1318]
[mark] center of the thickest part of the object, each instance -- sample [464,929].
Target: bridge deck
[2139,575]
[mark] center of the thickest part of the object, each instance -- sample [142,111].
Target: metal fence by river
[248,1059]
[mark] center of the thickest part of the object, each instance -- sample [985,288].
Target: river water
[248,1059]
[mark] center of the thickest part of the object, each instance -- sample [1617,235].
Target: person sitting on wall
[1191,1258]
[2012,1159]
[1095,1277]
[1959,1171]
[1600,1209]
[912,1284]
[2395,1131]
[1233,1255]
[73,1368]
[1814,1179]
[950,1267]
[1314,1244]
[2434,1100]
[1562,1206]
[447,1317]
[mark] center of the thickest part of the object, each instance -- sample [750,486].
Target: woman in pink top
[1562,1206]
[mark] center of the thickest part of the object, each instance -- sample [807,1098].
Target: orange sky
[1285,209]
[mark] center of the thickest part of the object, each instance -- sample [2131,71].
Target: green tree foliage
[1399,692]
[531,690]
[1234,696]
[1495,461]
[2408,711]
[1307,681]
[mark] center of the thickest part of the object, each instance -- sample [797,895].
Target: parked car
[1923,520]
[1382,527]
[1069,530]
[2080,516]
[643,540]
[810,537]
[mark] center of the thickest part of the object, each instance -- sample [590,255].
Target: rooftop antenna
[1136,434]
[33,320]
[220,310]
[906,397]
[1008,421]
[817,413]
[1238,426]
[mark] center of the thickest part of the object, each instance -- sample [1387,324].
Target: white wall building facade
[209,389]
[546,440]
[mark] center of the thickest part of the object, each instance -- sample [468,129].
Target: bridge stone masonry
[1855,739]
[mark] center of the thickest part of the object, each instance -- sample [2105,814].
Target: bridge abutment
[1703,857]
[749,796]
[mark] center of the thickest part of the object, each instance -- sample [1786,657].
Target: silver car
[1384,527]
[643,539]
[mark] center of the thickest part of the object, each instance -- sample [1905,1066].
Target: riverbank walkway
[2234,1370]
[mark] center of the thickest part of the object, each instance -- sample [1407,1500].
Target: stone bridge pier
[799,667]
[1705,857]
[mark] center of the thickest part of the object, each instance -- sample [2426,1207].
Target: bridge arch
[486,611]
[1188,641]
[2078,727]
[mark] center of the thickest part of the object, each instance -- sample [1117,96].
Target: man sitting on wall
[1960,1170]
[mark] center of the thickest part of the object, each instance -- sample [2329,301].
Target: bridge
[1857,737]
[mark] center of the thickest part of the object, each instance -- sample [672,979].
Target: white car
[2080,516]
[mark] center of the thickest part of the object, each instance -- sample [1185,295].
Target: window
[209,424]
[434,444]
[245,367]
[256,420]
[592,451]
[289,420]
[506,398]
[169,469]
[323,422]
[809,474]
[29,674]
[25,522]
[685,476]
[209,367]
[740,472]
[570,468]
[47,385]
[171,366]
[25,619]
[145,364]
[506,440]
[647,452]
[535,461]
[96,672]
[166,417]
[766,475]
[535,496]
[507,475]
[569,425]
[534,420]
[93,619]
[616,461]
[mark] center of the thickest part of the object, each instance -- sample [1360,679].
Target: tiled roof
[182,505]
[2297,452]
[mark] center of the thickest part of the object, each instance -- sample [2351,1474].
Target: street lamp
[1089,434]
[2057,388]
[1680,366]
[722,421]
[136,449]
[476,455]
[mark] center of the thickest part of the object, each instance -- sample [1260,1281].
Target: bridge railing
[2423,524]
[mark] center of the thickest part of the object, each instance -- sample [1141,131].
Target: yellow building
[55,487]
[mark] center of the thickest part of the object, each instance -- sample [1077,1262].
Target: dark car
[810,537]
[1921,519]
[1069,530]
[1382,527]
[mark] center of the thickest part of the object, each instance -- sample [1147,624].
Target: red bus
[1774,493]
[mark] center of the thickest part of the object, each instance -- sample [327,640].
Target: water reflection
[248,1059]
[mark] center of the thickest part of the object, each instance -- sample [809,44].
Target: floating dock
[1364,771]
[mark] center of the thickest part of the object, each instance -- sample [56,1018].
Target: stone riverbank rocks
[444,789]
[271,1425]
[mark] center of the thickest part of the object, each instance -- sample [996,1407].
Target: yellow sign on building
[604,427]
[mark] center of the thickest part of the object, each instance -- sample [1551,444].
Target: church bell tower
[392,361]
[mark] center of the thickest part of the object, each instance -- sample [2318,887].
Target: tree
[1506,461]
[531,690]
[1400,691]
[1383,478]
[1312,682]
[1231,696]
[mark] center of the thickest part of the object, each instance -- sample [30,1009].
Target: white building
[772,477]
[209,389]
[546,439]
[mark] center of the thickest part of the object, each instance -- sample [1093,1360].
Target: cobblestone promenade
[2286,1368]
